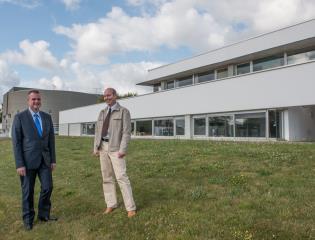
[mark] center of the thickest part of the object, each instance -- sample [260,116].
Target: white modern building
[259,88]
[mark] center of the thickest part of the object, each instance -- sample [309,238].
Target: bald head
[110,96]
[112,90]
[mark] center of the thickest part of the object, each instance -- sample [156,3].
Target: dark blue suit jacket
[29,148]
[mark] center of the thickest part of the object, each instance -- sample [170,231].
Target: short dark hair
[114,92]
[33,91]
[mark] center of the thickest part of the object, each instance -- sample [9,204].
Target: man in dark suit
[34,151]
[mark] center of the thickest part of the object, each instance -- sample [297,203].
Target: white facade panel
[64,129]
[188,126]
[74,129]
[287,86]
[286,126]
[281,87]
[81,114]
[253,45]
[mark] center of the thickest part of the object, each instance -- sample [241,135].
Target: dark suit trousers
[28,183]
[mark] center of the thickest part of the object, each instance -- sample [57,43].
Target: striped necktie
[37,124]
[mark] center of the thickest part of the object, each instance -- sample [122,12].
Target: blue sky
[87,45]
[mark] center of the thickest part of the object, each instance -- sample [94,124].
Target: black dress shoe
[47,219]
[28,226]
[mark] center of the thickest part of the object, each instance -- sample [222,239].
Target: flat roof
[280,38]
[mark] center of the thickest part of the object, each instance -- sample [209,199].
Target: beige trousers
[112,166]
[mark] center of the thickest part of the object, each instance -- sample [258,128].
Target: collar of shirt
[39,117]
[114,107]
[33,113]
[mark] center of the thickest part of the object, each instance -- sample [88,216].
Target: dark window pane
[207,76]
[184,81]
[274,124]
[88,128]
[199,126]
[144,128]
[266,63]
[222,73]
[250,125]
[164,127]
[243,68]
[132,128]
[170,85]
[180,126]
[157,87]
[221,126]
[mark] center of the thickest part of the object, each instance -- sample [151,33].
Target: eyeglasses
[34,99]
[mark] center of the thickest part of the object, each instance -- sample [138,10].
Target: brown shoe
[108,210]
[131,213]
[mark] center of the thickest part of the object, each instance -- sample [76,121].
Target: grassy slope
[183,190]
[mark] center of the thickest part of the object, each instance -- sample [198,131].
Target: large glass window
[222,73]
[157,87]
[180,126]
[206,76]
[268,62]
[132,128]
[199,126]
[88,128]
[164,127]
[170,85]
[301,57]
[242,68]
[221,126]
[184,81]
[144,128]
[250,125]
[274,124]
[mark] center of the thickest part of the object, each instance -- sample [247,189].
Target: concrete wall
[53,101]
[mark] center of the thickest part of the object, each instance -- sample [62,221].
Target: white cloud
[34,54]
[23,3]
[124,77]
[64,63]
[174,25]
[146,2]
[199,25]
[71,4]
[55,83]
[8,78]
[282,13]
[259,16]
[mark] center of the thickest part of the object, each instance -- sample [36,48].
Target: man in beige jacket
[112,135]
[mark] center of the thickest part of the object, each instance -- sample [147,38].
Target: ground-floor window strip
[88,128]
[258,124]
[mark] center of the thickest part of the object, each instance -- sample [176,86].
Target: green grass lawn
[183,190]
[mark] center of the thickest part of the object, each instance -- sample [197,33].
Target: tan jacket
[119,129]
